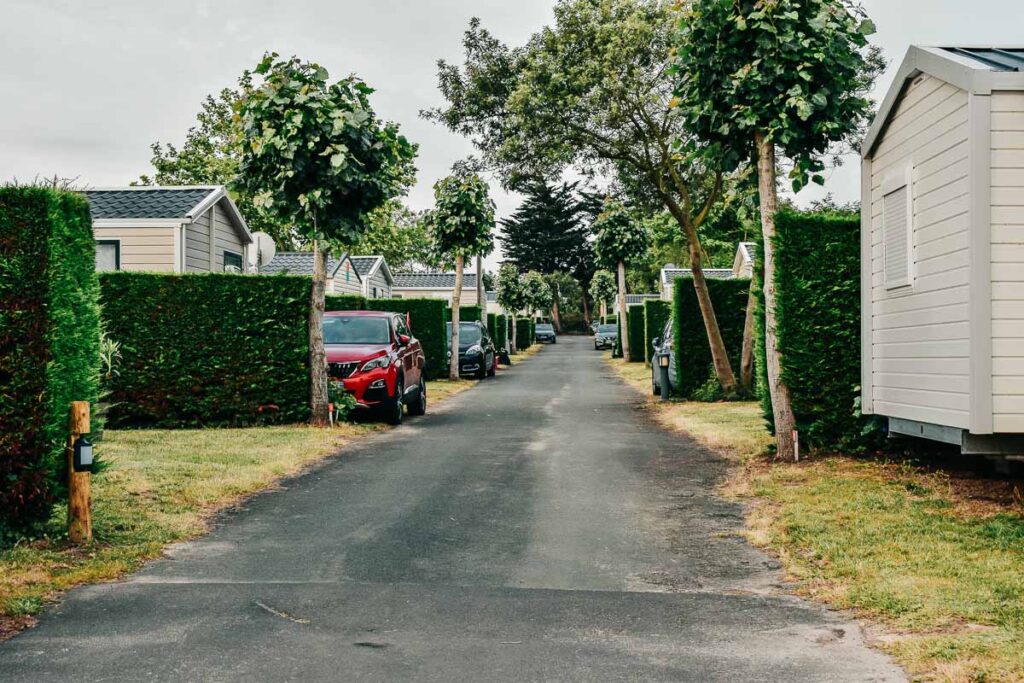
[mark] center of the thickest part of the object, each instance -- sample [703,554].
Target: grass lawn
[164,486]
[935,559]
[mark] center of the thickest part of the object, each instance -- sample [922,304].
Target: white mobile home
[942,246]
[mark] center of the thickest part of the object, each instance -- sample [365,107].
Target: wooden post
[79,483]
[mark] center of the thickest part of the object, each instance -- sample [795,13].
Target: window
[400,326]
[108,255]
[375,293]
[356,330]
[898,230]
[232,262]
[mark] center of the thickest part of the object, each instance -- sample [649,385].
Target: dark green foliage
[49,344]
[635,329]
[533,331]
[818,285]
[427,319]
[656,314]
[693,353]
[470,314]
[497,325]
[344,302]
[208,350]
[523,338]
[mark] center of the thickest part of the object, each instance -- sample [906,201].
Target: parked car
[378,360]
[545,332]
[661,345]
[594,324]
[606,336]
[477,355]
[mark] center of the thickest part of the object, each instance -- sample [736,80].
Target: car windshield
[355,330]
[545,328]
[607,329]
[469,333]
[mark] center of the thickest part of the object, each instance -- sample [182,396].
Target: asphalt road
[535,528]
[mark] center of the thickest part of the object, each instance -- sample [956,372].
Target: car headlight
[474,350]
[378,362]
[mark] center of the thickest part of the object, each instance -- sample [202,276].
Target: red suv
[379,361]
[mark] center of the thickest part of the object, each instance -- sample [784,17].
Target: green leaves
[463,215]
[603,287]
[619,235]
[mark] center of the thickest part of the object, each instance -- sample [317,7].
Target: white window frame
[896,181]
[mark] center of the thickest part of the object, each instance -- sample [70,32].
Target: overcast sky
[88,85]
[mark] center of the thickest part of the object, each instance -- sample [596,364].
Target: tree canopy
[618,236]
[509,288]
[402,237]
[462,220]
[603,287]
[538,293]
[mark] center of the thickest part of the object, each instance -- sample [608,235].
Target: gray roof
[994,58]
[363,264]
[668,274]
[432,280]
[299,263]
[146,203]
[640,298]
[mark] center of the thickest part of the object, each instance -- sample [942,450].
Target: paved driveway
[535,528]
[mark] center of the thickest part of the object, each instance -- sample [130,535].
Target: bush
[345,302]
[693,353]
[49,345]
[470,314]
[656,314]
[818,285]
[533,331]
[635,330]
[497,324]
[208,350]
[428,318]
[523,339]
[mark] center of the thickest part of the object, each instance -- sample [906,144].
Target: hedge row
[428,318]
[656,314]
[497,325]
[203,350]
[635,330]
[817,258]
[693,353]
[470,314]
[49,345]
[524,329]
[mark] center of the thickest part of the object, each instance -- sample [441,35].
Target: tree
[592,92]
[401,236]
[619,239]
[564,290]
[315,156]
[210,156]
[511,297]
[461,222]
[757,77]
[538,293]
[603,289]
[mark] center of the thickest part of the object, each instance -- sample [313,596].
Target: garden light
[82,460]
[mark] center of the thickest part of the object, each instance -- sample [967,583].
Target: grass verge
[934,558]
[163,486]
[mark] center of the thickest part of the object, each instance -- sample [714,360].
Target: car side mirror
[656,341]
[404,339]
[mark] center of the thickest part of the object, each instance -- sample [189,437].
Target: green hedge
[208,349]
[656,314]
[817,259]
[635,329]
[694,367]
[49,345]
[345,302]
[523,339]
[428,318]
[470,314]
[497,324]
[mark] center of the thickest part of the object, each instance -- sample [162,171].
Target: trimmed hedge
[818,285]
[49,345]
[497,324]
[470,314]
[523,338]
[656,314]
[208,350]
[345,302]
[428,318]
[694,367]
[635,330]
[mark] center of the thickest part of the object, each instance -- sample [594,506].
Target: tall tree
[592,91]
[564,290]
[759,77]
[315,156]
[620,238]
[538,293]
[511,297]
[462,222]
[603,289]
[401,236]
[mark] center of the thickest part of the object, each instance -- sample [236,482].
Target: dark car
[477,355]
[606,336]
[545,332]
[378,360]
[663,345]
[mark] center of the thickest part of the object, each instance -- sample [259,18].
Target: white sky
[88,85]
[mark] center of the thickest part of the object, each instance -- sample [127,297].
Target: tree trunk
[586,309]
[623,332]
[481,294]
[453,364]
[782,407]
[512,335]
[747,357]
[317,353]
[604,310]
[719,354]
[555,318]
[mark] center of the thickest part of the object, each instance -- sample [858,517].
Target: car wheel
[397,404]
[420,406]
[482,372]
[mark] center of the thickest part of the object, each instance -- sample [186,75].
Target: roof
[365,264]
[640,298]
[147,202]
[301,263]
[492,295]
[747,249]
[670,274]
[977,69]
[432,280]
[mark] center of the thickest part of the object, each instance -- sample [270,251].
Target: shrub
[533,331]
[49,344]
[693,353]
[635,330]
[497,324]
[656,314]
[428,319]
[470,314]
[523,339]
[208,349]
[818,285]
[344,302]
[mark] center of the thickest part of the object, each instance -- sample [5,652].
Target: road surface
[535,528]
